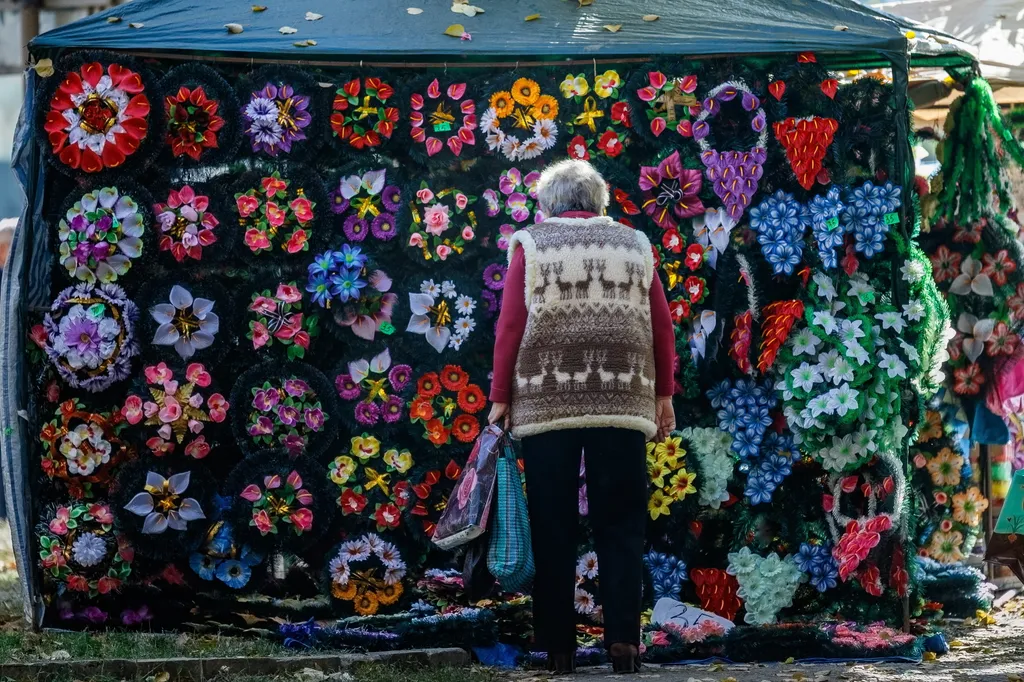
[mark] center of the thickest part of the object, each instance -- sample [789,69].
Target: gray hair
[571,185]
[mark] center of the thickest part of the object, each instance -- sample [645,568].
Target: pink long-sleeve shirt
[512,326]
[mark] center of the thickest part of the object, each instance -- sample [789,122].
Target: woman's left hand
[499,413]
[664,417]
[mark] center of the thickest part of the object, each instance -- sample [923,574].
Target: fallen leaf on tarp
[313,16]
[613,28]
[532,17]
[44,68]
[259,8]
[585,3]
[288,30]
[651,17]
[304,43]
[840,27]
[414,10]
[113,20]
[136,24]
[233,28]
[467,9]
[455,30]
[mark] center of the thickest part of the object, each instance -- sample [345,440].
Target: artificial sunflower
[525,91]
[390,594]
[367,604]
[546,107]
[502,103]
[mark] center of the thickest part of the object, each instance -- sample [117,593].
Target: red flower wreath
[437,411]
[360,114]
[192,122]
[439,112]
[97,118]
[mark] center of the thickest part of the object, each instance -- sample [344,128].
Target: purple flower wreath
[369,205]
[90,336]
[377,385]
[275,117]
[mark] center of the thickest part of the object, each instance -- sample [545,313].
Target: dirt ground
[979,653]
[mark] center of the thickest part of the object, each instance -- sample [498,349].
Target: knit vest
[587,355]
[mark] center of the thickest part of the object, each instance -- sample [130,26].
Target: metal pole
[29,28]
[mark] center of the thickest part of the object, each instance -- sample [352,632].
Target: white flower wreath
[441,314]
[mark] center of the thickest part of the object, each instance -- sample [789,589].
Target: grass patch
[389,673]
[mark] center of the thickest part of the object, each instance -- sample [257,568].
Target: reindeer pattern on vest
[587,355]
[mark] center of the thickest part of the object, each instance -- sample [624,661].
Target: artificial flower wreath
[667,102]
[368,572]
[162,506]
[187,225]
[711,447]
[446,403]
[527,111]
[779,223]
[431,497]
[283,405]
[184,322]
[869,211]
[443,119]
[667,572]
[83,449]
[279,317]
[442,315]
[177,409]
[276,113]
[90,336]
[200,111]
[667,470]
[767,584]
[222,558]
[79,551]
[99,116]
[101,234]
[359,295]
[277,213]
[734,174]
[379,490]
[368,205]
[442,222]
[595,117]
[670,192]
[361,116]
[377,385]
[516,197]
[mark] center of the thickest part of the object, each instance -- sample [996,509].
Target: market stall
[258,281]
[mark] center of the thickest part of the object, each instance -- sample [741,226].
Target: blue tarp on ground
[385,28]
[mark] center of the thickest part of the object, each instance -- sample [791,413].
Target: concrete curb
[200,669]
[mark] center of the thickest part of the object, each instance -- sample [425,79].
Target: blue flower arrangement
[868,211]
[667,573]
[337,275]
[744,411]
[819,564]
[222,559]
[780,222]
[823,212]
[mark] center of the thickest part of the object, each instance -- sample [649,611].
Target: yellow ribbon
[376,389]
[377,480]
[444,316]
[672,270]
[365,205]
[669,100]
[365,110]
[589,115]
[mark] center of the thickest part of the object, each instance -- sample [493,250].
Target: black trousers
[617,488]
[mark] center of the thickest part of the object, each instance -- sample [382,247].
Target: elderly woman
[583,366]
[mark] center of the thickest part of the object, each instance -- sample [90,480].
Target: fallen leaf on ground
[162,677]
[651,17]
[715,667]
[929,656]
[790,660]
[233,28]
[313,16]
[44,68]
[60,655]
[455,30]
[259,8]
[532,17]
[955,644]
[614,28]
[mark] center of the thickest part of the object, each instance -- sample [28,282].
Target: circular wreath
[367,204]
[279,502]
[186,224]
[516,198]
[279,212]
[376,386]
[276,315]
[442,222]
[161,505]
[277,111]
[221,557]
[447,404]
[186,319]
[361,115]
[90,336]
[735,174]
[100,114]
[199,106]
[177,409]
[101,232]
[83,448]
[446,317]
[379,491]
[442,119]
[527,111]
[595,117]
[665,102]
[79,551]
[359,294]
[284,405]
[368,572]
[670,192]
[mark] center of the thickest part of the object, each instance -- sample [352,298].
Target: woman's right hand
[499,413]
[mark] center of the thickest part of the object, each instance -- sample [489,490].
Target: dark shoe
[625,658]
[562,664]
